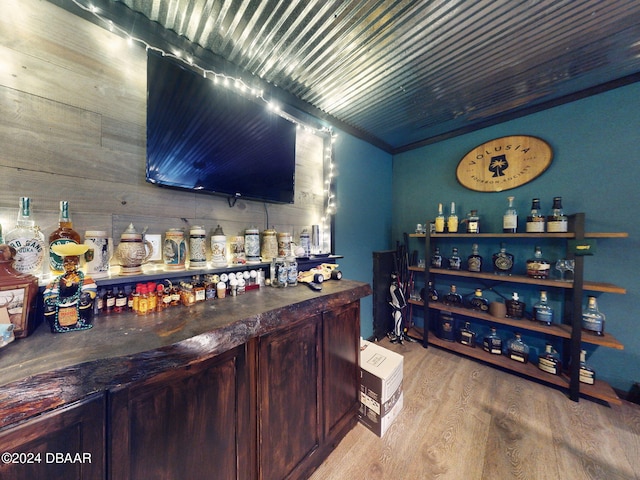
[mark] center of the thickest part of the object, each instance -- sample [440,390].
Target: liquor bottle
[432,293]
[557,221]
[445,327]
[515,307]
[502,261]
[143,300]
[549,361]
[452,221]
[436,259]
[510,218]
[454,260]
[518,350]
[542,311]
[478,302]
[492,343]
[468,336]
[108,301]
[592,318]
[473,222]
[28,241]
[453,297]
[440,220]
[153,298]
[64,234]
[160,305]
[538,267]
[120,301]
[535,220]
[587,373]
[474,261]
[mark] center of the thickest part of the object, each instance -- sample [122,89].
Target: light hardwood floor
[465,420]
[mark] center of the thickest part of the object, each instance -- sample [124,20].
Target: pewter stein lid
[130,234]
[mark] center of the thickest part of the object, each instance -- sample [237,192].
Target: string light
[240,85]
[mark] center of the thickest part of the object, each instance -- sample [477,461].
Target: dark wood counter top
[45,371]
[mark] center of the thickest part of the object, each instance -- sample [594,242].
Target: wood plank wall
[73,127]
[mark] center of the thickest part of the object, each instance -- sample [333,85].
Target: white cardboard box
[381,395]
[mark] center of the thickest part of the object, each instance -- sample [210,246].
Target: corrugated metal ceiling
[406,72]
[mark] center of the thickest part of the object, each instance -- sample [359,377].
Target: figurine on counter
[68,299]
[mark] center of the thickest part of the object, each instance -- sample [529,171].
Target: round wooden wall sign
[504,163]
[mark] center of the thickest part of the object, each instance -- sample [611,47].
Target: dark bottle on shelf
[535,220]
[120,303]
[515,307]
[518,350]
[549,361]
[473,222]
[492,343]
[467,336]
[474,261]
[432,293]
[446,328]
[542,311]
[587,373]
[436,258]
[478,302]
[592,318]
[453,297]
[108,301]
[538,267]
[502,261]
[454,260]
[557,221]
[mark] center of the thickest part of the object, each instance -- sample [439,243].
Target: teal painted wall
[595,169]
[363,218]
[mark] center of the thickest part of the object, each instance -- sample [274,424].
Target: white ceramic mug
[99,254]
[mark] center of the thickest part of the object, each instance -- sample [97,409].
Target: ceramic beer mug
[99,254]
[133,251]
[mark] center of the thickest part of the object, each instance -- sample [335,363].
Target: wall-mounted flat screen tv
[209,138]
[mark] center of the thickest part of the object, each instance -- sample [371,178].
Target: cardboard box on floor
[381,395]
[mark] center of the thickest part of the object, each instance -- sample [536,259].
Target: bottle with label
[64,234]
[436,258]
[120,301]
[492,342]
[454,260]
[535,220]
[515,307]
[439,220]
[453,297]
[467,336]
[502,261]
[478,302]
[549,361]
[108,301]
[452,221]
[542,311]
[292,271]
[28,241]
[474,261]
[557,221]
[538,267]
[432,293]
[587,373]
[510,218]
[518,350]
[592,318]
[473,222]
[446,327]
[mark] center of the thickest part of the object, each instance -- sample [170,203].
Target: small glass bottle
[454,260]
[63,234]
[473,222]
[143,300]
[120,301]
[467,336]
[108,301]
[432,293]
[502,261]
[153,298]
[510,218]
[478,302]
[538,267]
[28,241]
[160,305]
[542,311]
[587,373]
[492,342]
[557,221]
[515,307]
[592,319]
[452,221]
[535,220]
[549,361]
[453,297]
[518,350]
[474,261]
[439,220]
[436,258]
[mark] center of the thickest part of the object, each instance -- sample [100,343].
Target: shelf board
[522,235]
[605,340]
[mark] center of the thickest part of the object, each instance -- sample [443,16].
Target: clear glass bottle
[28,241]
[452,220]
[474,261]
[292,271]
[63,234]
[549,361]
[454,260]
[587,373]
[557,221]
[502,261]
[515,307]
[542,311]
[510,218]
[439,223]
[467,336]
[436,258]
[453,297]
[518,350]
[535,220]
[492,342]
[538,267]
[478,302]
[592,319]
[473,222]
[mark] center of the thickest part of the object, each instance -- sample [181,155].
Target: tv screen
[210,138]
